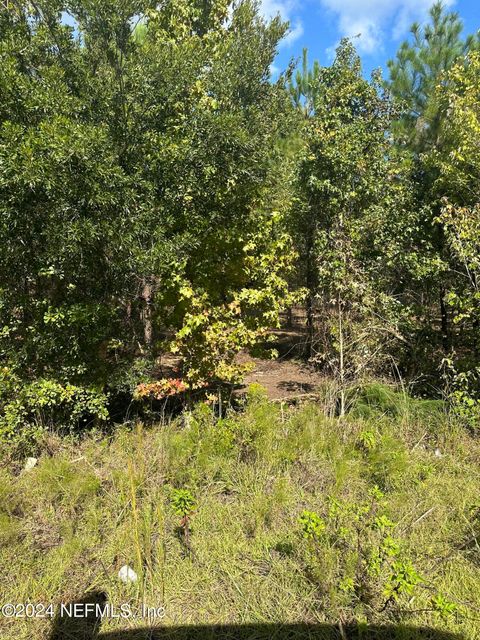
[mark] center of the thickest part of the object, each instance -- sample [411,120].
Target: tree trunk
[341,352]
[444,319]
[310,282]
[147,315]
[310,326]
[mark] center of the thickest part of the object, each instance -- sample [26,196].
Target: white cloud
[375,20]
[286,10]
[274,71]
[295,32]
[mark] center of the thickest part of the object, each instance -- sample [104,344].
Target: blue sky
[382,25]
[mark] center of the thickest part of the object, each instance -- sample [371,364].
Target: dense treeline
[160,194]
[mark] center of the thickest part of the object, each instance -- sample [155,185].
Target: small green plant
[368,440]
[443,606]
[312,525]
[183,504]
[403,580]
[367,559]
[256,393]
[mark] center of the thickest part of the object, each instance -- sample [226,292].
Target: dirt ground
[289,375]
[284,379]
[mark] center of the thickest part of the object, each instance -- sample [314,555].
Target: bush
[28,409]
[364,559]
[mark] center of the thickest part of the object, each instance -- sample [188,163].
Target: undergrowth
[273,513]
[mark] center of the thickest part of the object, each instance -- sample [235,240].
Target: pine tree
[416,70]
[305,87]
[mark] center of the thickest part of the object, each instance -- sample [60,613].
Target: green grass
[95,504]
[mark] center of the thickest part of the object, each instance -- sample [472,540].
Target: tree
[347,184]
[416,70]
[304,87]
[458,184]
[414,74]
[458,187]
[139,208]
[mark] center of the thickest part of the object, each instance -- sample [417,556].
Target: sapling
[402,580]
[183,504]
[313,528]
[360,535]
[367,440]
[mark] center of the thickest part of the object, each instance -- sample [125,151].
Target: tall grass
[68,525]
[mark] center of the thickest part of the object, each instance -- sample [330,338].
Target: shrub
[28,409]
[364,559]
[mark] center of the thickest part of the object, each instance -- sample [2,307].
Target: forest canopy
[160,194]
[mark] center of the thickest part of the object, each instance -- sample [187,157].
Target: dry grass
[68,525]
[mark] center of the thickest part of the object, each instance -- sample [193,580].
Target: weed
[60,481]
[402,580]
[291,526]
[183,504]
[443,606]
[312,525]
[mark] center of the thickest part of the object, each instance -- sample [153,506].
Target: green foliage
[256,394]
[368,440]
[463,393]
[183,502]
[104,501]
[159,194]
[443,606]
[457,184]
[350,191]
[402,581]
[422,78]
[388,462]
[367,556]
[142,192]
[305,87]
[417,69]
[381,398]
[376,398]
[312,525]
[61,482]
[28,409]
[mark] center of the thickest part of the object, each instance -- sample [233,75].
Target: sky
[377,26]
